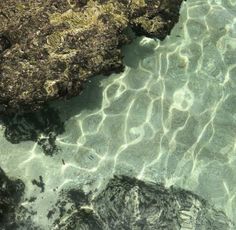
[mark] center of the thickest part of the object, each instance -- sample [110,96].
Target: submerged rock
[128,203]
[10,196]
[14,216]
[49,48]
[42,127]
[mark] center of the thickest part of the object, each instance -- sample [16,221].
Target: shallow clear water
[169,117]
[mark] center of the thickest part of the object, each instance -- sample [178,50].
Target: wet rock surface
[49,48]
[128,203]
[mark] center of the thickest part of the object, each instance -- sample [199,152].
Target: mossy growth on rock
[49,48]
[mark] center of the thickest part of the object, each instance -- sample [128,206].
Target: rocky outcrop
[49,48]
[128,203]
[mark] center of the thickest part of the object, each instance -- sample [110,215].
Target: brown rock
[49,48]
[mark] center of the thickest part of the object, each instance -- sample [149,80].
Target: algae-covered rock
[131,204]
[49,48]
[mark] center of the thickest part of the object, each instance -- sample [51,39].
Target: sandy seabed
[170,117]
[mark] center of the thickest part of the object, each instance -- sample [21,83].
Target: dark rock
[42,127]
[49,48]
[128,203]
[10,196]
[13,216]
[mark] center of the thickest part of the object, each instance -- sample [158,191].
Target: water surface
[170,117]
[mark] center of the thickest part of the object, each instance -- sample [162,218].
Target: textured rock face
[49,48]
[10,195]
[128,203]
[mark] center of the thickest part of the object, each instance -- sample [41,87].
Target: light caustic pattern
[169,117]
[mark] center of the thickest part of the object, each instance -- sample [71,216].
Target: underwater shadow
[45,125]
[89,99]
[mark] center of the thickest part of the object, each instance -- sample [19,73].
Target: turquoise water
[169,117]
